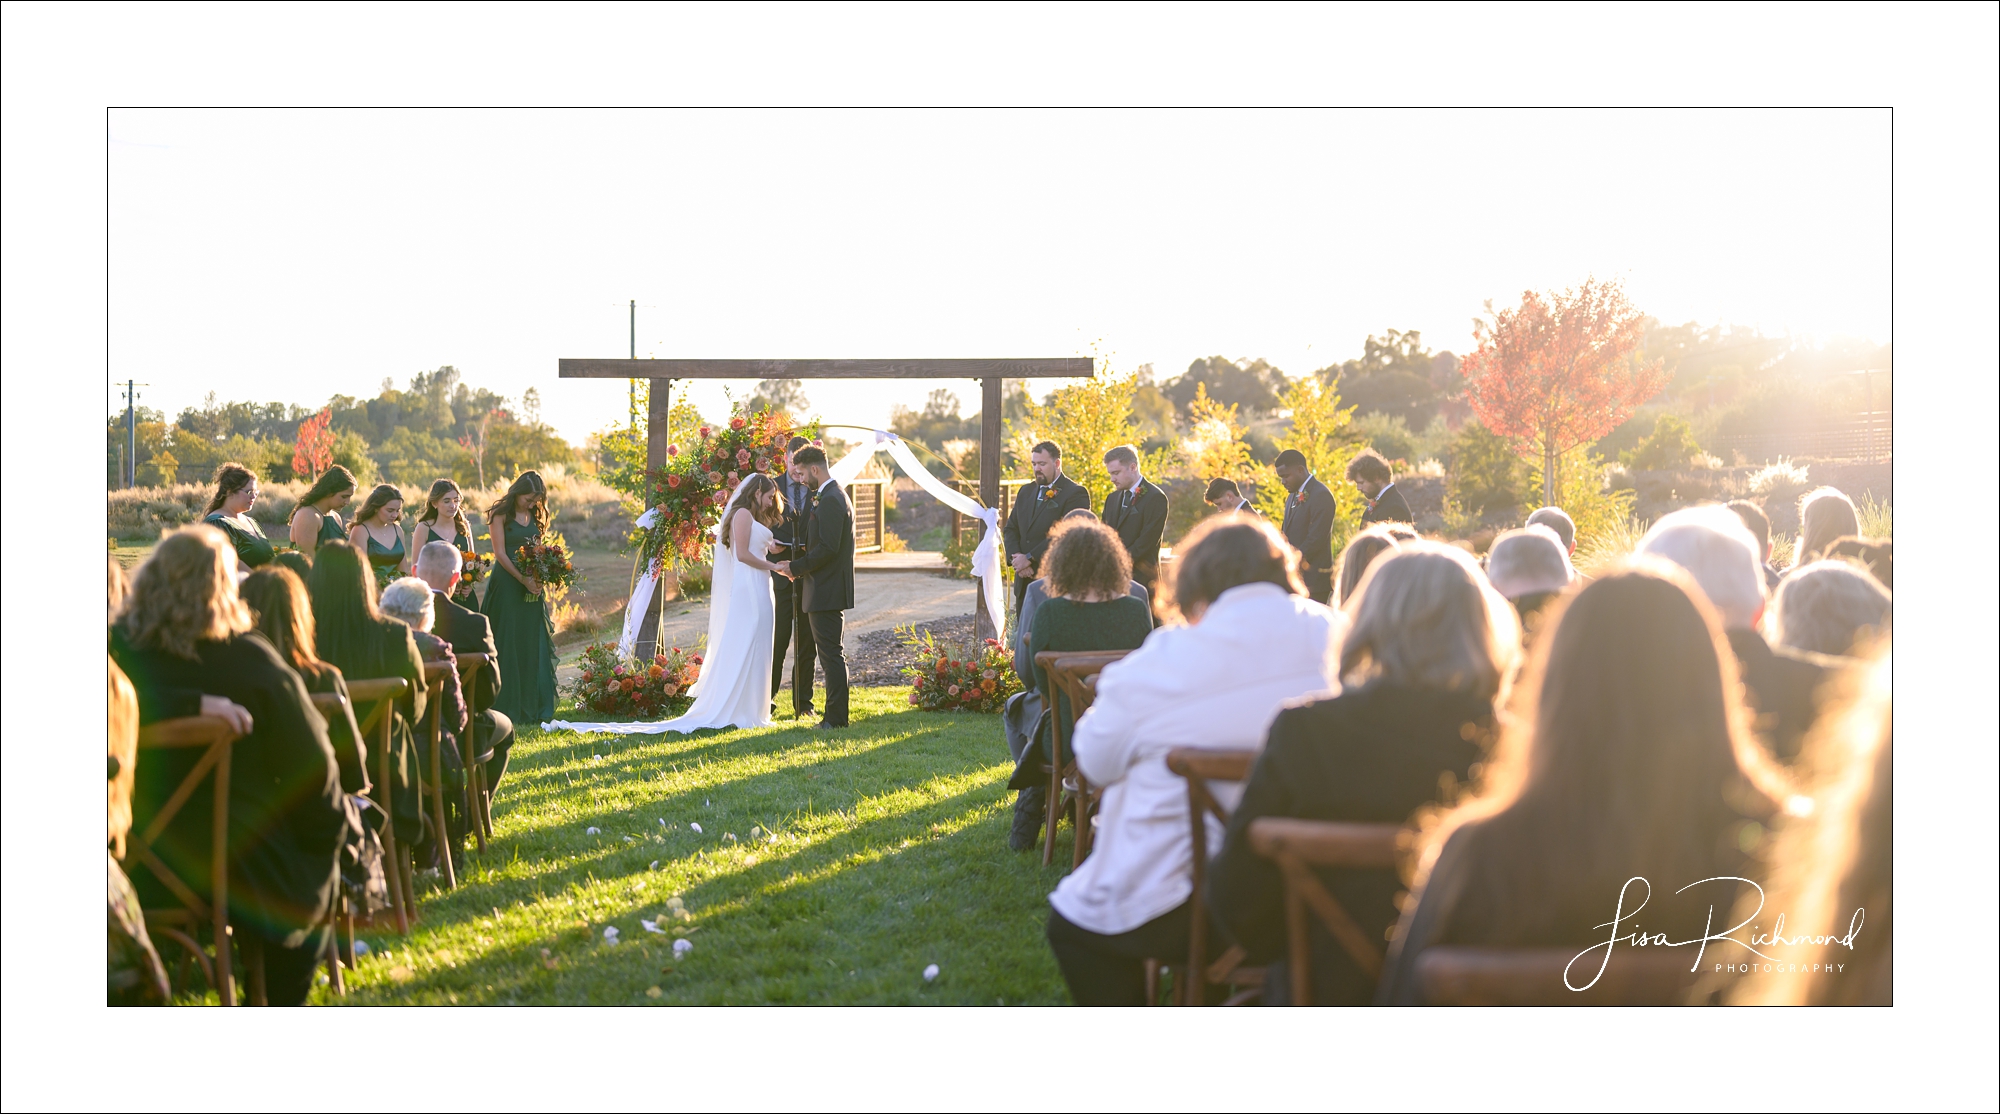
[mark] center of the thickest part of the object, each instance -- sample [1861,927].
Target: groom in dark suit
[792,634]
[823,576]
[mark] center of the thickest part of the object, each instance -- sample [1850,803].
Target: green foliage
[831,869]
[1084,421]
[1213,447]
[1612,542]
[936,425]
[1599,512]
[351,451]
[1670,445]
[1395,377]
[1387,435]
[958,556]
[1486,475]
[621,450]
[1874,516]
[416,458]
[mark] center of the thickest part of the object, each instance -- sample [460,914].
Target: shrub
[1387,435]
[1586,496]
[1874,517]
[1670,445]
[893,544]
[958,556]
[628,689]
[958,678]
[1781,480]
[1486,474]
[1608,543]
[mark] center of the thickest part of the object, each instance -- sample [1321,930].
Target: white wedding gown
[734,689]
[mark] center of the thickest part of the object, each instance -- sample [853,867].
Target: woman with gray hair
[1827,607]
[1424,667]
[408,599]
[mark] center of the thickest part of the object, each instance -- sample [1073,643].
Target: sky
[292,255]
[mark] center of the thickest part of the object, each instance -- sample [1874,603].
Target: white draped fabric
[985,558]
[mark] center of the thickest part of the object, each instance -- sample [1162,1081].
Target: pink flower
[743,456]
[953,690]
[673,450]
[704,433]
[736,423]
[915,699]
[715,477]
[673,481]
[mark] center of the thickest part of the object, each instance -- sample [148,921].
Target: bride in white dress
[734,689]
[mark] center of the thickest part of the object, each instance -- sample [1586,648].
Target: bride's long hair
[751,496]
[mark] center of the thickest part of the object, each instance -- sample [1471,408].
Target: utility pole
[131,463]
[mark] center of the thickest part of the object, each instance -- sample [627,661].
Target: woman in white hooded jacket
[1253,642]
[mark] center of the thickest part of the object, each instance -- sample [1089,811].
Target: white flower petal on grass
[611,932]
[655,866]
[592,831]
[663,823]
[629,839]
[695,826]
[682,947]
[930,972]
[652,926]
[361,947]
[730,836]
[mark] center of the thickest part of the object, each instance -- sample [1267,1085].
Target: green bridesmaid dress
[525,638]
[463,595]
[331,528]
[384,559]
[253,549]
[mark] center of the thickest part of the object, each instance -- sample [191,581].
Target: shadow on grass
[840,909]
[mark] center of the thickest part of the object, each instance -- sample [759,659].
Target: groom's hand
[782,568]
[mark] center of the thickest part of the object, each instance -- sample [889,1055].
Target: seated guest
[1252,641]
[409,599]
[282,613]
[1759,524]
[295,561]
[1877,555]
[1355,560]
[1827,607]
[1400,532]
[1826,515]
[136,976]
[1558,520]
[1779,685]
[1370,474]
[1090,607]
[1831,869]
[353,634]
[469,632]
[229,512]
[186,630]
[1425,663]
[1530,567]
[1225,496]
[1634,755]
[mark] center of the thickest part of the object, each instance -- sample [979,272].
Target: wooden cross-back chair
[182,925]
[1473,976]
[477,791]
[1072,674]
[378,695]
[435,673]
[1199,766]
[1298,846]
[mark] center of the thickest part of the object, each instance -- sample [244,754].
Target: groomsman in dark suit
[1137,509]
[469,632]
[1371,475]
[824,576]
[1225,496]
[1308,522]
[1037,508]
[788,538]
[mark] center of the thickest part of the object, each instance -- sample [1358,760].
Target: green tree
[1396,377]
[351,452]
[1085,421]
[1486,473]
[621,450]
[1213,447]
[414,458]
[1251,384]
[788,395]
[1670,445]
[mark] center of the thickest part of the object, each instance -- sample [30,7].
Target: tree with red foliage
[1558,372]
[312,452]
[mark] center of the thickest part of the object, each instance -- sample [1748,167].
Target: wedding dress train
[734,689]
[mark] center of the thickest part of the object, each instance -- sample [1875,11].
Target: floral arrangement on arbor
[973,678]
[631,689]
[691,489]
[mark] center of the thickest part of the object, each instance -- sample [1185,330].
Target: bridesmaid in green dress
[229,512]
[443,520]
[382,514]
[315,520]
[521,628]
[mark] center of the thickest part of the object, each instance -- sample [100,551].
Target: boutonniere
[1041,494]
[815,499]
[1300,498]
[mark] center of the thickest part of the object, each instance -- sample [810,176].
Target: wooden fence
[865,497]
[1867,437]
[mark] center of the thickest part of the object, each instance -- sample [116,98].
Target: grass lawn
[829,868]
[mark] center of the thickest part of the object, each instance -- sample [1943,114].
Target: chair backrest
[1299,846]
[218,735]
[1468,976]
[378,695]
[1199,766]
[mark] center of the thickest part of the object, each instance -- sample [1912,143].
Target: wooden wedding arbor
[990,374]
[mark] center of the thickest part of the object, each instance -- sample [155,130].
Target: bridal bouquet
[959,679]
[476,567]
[547,562]
[691,489]
[630,689]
